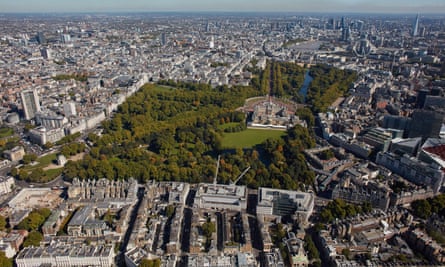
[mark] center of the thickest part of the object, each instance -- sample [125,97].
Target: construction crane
[240,176]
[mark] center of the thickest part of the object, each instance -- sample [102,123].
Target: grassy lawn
[52,174]
[5,132]
[255,99]
[249,138]
[42,162]
[228,125]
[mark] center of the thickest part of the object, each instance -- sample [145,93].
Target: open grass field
[42,162]
[249,138]
[5,132]
[228,125]
[52,174]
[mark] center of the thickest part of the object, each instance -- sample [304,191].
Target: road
[133,218]
[186,228]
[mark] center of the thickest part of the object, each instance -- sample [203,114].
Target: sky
[356,6]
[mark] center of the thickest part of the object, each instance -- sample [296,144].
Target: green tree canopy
[150,263]
[5,261]
[33,239]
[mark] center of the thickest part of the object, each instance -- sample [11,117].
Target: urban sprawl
[378,161]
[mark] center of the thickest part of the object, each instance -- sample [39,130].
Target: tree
[28,158]
[306,114]
[34,220]
[14,172]
[311,249]
[208,228]
[23,174]
[2,223]
[347,253]
[326,154]
[5,261]
[48,145]
[33,239]
[170,211]
[421,208]
[150,263]
[36,175]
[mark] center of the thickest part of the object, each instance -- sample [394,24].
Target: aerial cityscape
[222,133]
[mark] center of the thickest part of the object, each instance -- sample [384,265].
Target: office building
[413,170]
[42,135]
[50,120]
[219,196]
[69,108]
[58,255]
[426,123]
[379,138]
[396,122]
[15,154]
[408,146]
[163,39]
[415,26]
[41,38]
[66,38]
[30,103]
[46,53]
[421,97]
[6,184]
[279,203]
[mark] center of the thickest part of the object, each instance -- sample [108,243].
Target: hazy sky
[360,6]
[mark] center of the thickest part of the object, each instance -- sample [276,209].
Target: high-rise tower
[163,39]
[41,38]
[416,26]
[30,103]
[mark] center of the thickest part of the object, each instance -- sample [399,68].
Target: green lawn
[52,174]
[5,132]
[249,138]
[228,125]
[42,162]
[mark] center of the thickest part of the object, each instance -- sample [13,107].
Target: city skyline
[353,6]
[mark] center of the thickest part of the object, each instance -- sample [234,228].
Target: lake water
[307,81]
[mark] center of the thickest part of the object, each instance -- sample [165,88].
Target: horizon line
[219,12]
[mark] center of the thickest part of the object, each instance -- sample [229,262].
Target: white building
[70,109]
[6,185]
[219,196]
[57,255]
[277,202]
[30,103]
[7,248]
[41,135]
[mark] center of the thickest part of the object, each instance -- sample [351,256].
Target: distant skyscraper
[332,24]
[41,38]
[163,39]
[360,25]
[415,26]
[212,43]
[346,34]
[46,53]
[30,103]
[343,24]
[66,38]
[422,32]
